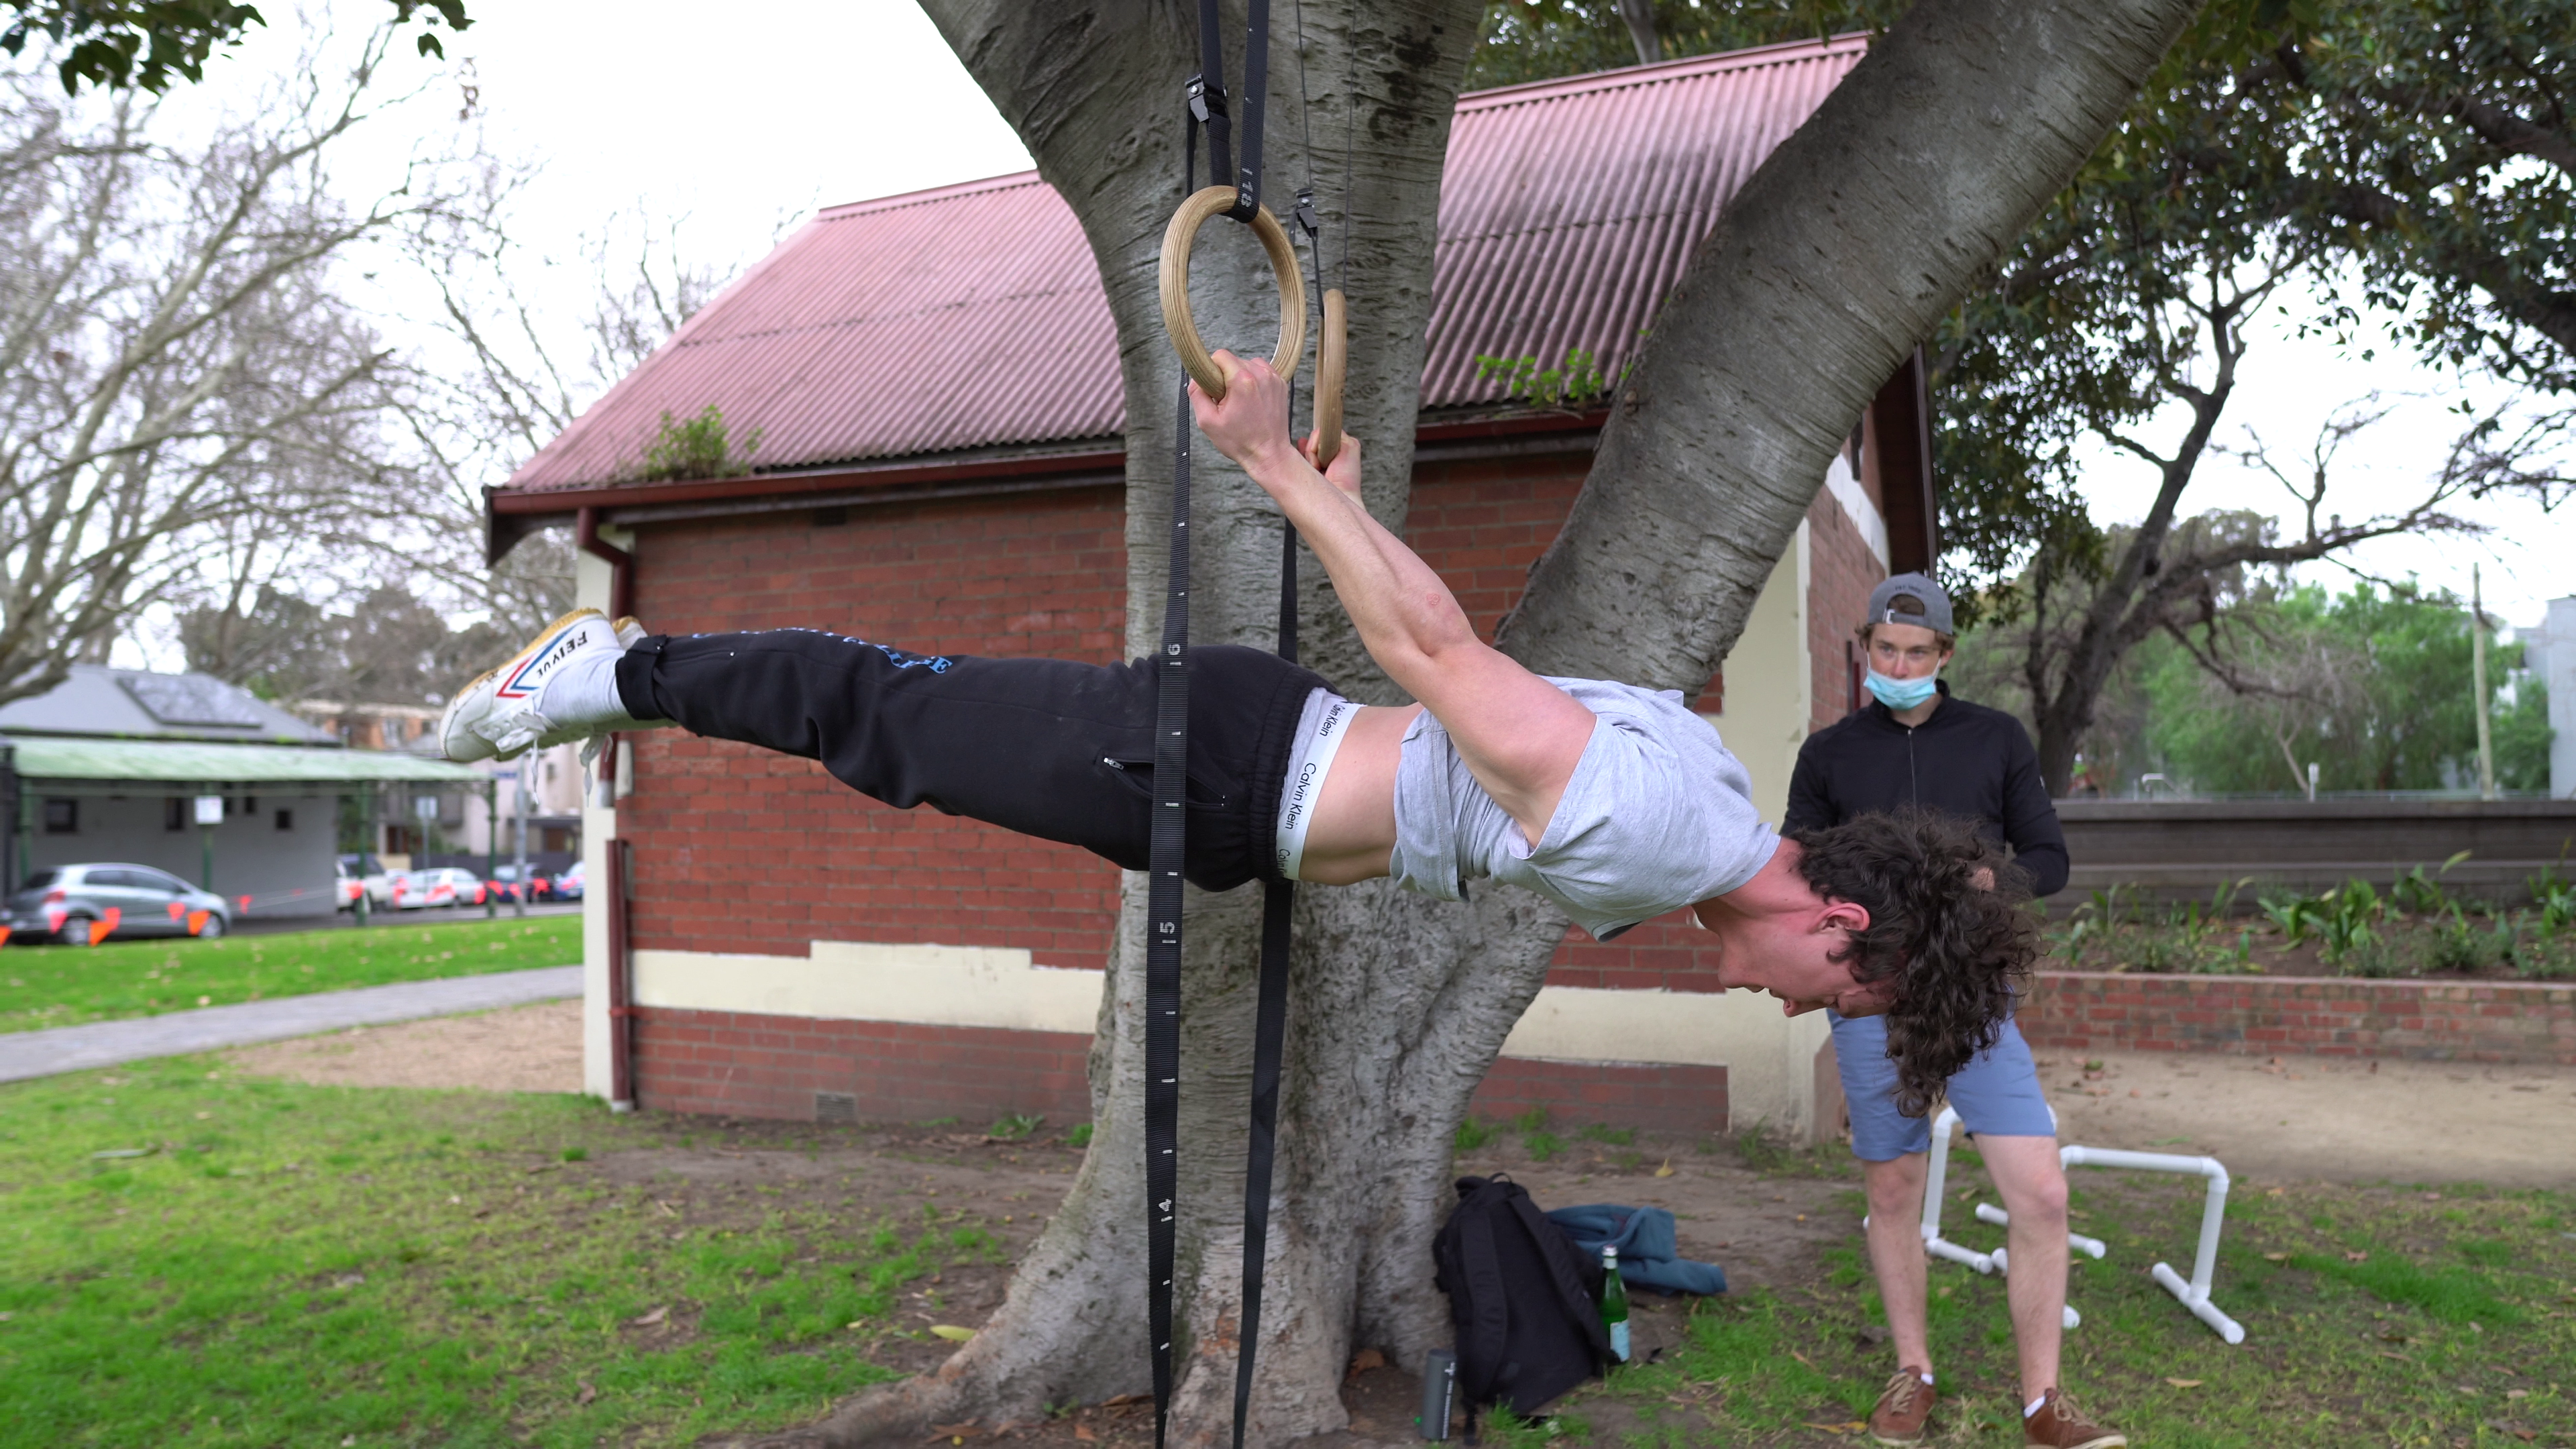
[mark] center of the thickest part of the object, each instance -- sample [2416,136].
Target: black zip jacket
[1966,760]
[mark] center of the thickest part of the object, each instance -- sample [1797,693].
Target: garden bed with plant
[2411,928]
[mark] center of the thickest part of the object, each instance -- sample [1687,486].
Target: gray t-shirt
[1658,815]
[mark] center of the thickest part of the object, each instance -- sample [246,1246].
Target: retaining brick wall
[2474,1021]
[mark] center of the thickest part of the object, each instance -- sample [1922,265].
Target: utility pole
[2478,682]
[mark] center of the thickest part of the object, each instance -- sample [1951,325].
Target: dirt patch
[2325,1117]
[524,1049]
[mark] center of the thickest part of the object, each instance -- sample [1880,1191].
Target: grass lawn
[290,1265]
[2373,1315]
[46,986]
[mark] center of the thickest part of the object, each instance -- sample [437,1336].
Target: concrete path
[27,1054]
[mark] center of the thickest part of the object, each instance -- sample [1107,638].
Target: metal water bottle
[1614,1303]
[1439,1386]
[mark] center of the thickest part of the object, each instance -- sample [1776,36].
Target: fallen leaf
[2356,1257]
[1083,1433]
[587,1393]
[648,1320]
[2276,1257]
[2517,1393]
[952,1332]
[1666,1170]
[1802,1358]
[2184,1383]
[1123,1400]
[954,1432]
[1366,1359]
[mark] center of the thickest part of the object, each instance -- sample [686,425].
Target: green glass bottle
[1614,1303]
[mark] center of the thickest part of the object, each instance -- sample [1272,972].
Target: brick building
[795,950]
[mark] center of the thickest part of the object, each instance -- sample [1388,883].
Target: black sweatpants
[1047,747]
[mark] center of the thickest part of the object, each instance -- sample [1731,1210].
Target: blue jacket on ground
[1649,1252]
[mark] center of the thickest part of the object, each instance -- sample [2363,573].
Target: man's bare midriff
[1353,837]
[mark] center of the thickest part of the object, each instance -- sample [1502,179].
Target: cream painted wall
[1769,1058]
[1768,684]
[598,838]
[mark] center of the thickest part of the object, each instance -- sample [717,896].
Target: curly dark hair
[1947,924]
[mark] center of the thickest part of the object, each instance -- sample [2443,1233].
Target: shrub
[697,447]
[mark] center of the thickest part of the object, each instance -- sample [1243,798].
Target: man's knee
[2032,1185]
[1896,1185]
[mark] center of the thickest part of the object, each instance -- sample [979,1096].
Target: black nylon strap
[1256,92]
[1164,858]
[1164,896]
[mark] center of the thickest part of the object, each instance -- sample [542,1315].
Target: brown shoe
[2059,1425]
[1902,1407]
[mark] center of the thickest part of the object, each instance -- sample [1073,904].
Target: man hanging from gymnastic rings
[1615,802]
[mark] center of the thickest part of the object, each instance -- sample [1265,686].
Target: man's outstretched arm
[1520,735]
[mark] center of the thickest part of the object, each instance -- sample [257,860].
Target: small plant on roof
[1575,382]
[697,447]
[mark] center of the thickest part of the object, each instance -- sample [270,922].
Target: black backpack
[1525,1301]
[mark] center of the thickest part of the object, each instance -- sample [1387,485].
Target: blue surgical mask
[1901,694]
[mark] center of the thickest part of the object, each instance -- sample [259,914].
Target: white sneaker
[498,715]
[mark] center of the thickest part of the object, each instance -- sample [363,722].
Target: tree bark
[1400,1004]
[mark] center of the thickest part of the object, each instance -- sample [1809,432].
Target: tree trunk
[1400,1004]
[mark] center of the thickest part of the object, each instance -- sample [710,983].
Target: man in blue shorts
[1916,749]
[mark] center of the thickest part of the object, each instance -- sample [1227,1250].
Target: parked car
[445,885]
[504,886]
[65,901]
[569,885]
[363,874]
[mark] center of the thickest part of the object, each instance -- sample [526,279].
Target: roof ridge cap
[928,194]
[1713,63]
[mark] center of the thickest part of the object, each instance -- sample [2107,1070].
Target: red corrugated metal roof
[1567,211]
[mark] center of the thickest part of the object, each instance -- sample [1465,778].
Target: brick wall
[1660,1098]
[740,850]
[1482,523]
[744,1065]
[1840,573]
[2480,1021]
[737,849]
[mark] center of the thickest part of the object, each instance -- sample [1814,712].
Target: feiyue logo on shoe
[547,655]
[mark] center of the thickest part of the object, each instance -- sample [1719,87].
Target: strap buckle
[1205,100]
[1307,221]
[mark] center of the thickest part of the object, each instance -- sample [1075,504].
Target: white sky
[655,108]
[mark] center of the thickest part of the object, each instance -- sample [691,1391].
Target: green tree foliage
[2373,685]
[387,647]
[147,43]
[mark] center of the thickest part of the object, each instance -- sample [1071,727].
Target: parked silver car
[67,902]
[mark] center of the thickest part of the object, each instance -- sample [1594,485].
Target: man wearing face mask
[1918,748]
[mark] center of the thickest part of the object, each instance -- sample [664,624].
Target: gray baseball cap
[1934,613]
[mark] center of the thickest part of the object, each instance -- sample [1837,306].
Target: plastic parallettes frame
[2193,1295]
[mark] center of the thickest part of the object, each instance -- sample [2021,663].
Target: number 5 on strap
[1177,238]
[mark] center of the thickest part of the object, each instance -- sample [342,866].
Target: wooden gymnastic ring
[1194,213]
[1332,367]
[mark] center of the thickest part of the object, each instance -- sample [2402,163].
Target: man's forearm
[1403,610]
